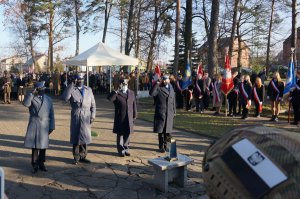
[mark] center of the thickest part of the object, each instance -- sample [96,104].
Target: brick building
[286,55]
[223,44]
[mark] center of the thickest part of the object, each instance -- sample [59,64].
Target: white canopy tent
[101,55]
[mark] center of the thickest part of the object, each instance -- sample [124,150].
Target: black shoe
[122,154]
[43,168]
[84,160]
[162,150]
[272,119]
[127,153]
[35,169]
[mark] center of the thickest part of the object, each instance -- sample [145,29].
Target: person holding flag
[275,94]
[227,81]
[295,99]
[198,90]
[156,75]
[258,93]
[245,96]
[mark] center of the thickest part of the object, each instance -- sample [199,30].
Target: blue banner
[187,78]
[290,79]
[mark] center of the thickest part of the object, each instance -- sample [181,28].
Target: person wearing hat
[165,110]
[83,114]
[125,114]
[40,126]
[295,99]
[7,83]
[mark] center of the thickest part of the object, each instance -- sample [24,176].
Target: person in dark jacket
[295,99]
[125,115]
[258,93]
[275,94]
[83,115]
[206,90]
[179,92]
[40,126]
[165,110]
[233,95]
[198,94]
[245,96]
[21,88]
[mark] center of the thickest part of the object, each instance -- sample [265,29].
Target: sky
[90,39]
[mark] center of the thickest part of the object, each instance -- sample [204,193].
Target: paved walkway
[109,176]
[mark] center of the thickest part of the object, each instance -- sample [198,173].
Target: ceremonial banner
[227,80]
[290,80]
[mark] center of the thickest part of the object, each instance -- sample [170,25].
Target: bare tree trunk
[153,38]
[269,37]
[121,37]
[129,27]
[188,32]
[212,39]
[51,18]
[77,25]
[177,31]
[106,19]
[232,35]
[138,38]
[239,61]
[205,18]
[294,31]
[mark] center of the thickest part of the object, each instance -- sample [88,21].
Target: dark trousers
[38,157]
[232,102]
[240,107]
[79,151]
[199,104]
[206,100]
[179,100]
[245,110]
[163,139]
[296,108]
[123,143]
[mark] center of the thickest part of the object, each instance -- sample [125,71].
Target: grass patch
[94,134]
[206,124]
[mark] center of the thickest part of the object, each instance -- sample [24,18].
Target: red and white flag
[200,70]
[157,74]
[227,80]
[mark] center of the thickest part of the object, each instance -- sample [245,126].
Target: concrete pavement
[109,176]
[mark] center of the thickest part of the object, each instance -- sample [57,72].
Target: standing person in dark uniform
[83,115]
[206,90]
[178,91]
[241,80]
[245,96]
[258,93]
[125,114]
[275,94]
[165,110]
[295,99]
[21,87]
[40,126]
[233,96]
[198,93]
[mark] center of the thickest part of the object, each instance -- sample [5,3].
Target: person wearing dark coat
[40,126]
[275,94]
[21,88]
[179,92]
[233,96]
[258,93]
[198,93]
[245,91]
[295,99]
[83,115]
[165,110]
[125,115]
[206,90]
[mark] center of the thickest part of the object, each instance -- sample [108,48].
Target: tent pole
[109,79]
[87,76]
